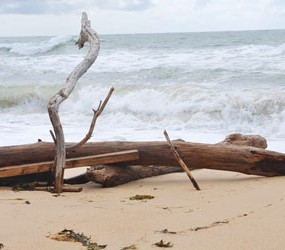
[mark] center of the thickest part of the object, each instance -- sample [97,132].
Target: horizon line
[150,33]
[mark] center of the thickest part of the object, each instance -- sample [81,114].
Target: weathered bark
[86,35]
[110,176]
[244,159]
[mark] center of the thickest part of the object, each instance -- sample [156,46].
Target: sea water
[199,86]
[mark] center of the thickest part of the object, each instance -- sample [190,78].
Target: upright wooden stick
[86,35]
[180,161]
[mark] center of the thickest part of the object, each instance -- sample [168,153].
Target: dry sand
[233,211]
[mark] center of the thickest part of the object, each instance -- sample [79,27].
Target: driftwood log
[220,156]
[110,175]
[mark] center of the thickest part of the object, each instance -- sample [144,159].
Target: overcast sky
[55,17]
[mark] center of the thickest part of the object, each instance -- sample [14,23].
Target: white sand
[249,211]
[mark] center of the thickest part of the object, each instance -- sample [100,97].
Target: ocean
[199,86]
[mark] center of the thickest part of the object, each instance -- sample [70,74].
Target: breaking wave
[189,106]
[42,46]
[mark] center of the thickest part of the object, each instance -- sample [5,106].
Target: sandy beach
[201,70]
[232,211]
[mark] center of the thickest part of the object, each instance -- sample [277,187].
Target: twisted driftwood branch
[86,35]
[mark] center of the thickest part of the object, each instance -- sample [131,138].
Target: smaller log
[110,176]
[122,156]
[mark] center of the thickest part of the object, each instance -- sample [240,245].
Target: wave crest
[36,48]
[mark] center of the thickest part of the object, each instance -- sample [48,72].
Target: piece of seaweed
[214,224]
[161,243]
[166,231]
[131,247]
[70,235]
[24,186]
[141,197]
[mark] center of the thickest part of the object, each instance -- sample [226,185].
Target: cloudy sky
[55,17]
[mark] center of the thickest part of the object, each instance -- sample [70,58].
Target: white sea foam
[203,86]
[186,106]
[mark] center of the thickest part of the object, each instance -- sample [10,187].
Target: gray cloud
[277,2]
[22,7]
[128,5]
[202,3]
[64,6]
[113,16]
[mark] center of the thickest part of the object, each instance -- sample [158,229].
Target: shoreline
[232,211]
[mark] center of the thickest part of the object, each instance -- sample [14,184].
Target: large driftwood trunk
[244,159]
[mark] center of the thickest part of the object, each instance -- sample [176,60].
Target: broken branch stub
[86,35]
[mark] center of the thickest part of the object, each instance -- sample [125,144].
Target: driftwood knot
[256,141]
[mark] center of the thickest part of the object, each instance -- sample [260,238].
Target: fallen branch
[180,161]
